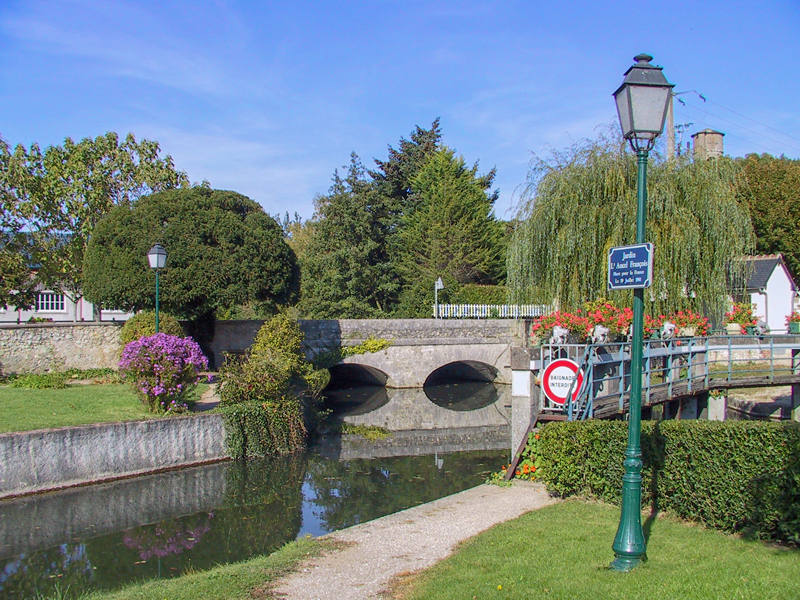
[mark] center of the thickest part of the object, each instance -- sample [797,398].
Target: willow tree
[580,202]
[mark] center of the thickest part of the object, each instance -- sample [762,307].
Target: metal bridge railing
[674,368]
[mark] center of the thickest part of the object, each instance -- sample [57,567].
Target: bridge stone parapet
[321,335]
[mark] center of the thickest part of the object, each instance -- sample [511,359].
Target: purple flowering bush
[163,369]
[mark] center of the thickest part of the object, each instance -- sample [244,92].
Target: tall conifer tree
[347,269]
[452,233]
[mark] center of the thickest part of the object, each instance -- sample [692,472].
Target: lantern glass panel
[624,110]
[649,109]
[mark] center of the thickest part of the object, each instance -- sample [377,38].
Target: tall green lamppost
[642,102]
[158,260]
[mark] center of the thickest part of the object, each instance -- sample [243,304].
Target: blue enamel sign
[630,267]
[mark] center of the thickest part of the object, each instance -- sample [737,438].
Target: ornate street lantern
[642,102]
[158,260]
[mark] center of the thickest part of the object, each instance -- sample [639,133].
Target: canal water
[165,525]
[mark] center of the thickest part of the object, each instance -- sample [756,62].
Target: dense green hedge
[267,428]
[270,395]
[472,293]
[735,476]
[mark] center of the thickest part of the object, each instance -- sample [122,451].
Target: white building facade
[58,307]
[771,289]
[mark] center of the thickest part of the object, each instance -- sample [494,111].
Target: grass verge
[27,409]
[563,552]
[248,579]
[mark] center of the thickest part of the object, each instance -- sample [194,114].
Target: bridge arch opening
[355,389]
[463,385]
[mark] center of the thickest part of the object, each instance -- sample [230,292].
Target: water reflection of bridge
[440,417]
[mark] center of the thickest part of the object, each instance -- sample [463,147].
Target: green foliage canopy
[771,189]
[53,199]
[452,232]
[359,255]
[394,176]
[582,201]
[348,271]
[223,249]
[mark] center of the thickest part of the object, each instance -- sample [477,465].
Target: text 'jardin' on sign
[630,267]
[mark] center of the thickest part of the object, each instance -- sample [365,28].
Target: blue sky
[268,98]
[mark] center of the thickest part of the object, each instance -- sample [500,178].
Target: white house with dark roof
[770,287]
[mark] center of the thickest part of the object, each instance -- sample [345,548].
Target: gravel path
[411,540]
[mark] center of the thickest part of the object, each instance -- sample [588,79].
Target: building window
[49,302]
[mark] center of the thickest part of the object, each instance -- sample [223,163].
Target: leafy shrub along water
[262,393]
[734,476]
[264,428]
[144,324]
[58,380]
[163,369]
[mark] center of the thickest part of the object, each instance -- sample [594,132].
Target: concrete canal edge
[50,459]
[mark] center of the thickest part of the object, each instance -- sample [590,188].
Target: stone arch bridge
[420,348]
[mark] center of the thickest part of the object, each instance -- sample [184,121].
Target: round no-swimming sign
[557,379]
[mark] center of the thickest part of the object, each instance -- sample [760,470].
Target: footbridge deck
[673,370]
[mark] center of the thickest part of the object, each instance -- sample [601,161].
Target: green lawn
[563,551]
[560,552]
[23,409]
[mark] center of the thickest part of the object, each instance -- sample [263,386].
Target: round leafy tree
[223,250]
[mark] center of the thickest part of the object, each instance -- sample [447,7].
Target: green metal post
[629,545]
[156,300]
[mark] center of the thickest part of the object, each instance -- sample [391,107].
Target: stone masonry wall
[35,461]
[42,347]
[237,336]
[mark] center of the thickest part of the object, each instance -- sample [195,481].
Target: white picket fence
[491,311]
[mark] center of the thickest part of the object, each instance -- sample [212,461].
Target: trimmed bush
[473,293]
[162,370]
[144,324]
[39,381]
[734,476]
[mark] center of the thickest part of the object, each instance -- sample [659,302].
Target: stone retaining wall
[42,347]
[36,461]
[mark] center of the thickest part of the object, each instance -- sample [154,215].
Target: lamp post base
[623,564]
